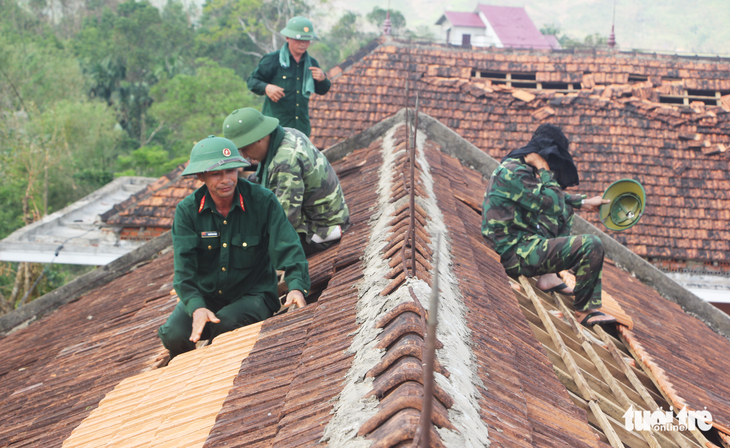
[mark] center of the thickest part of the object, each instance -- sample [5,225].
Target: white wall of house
[480,37]
[490,35]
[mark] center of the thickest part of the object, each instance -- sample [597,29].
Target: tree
[125,53]
[397,21]
[591,41]
[259,20]
[194,106]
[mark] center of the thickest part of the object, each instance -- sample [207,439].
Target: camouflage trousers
[582,253]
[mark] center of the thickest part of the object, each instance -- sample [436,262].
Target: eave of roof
[465,19]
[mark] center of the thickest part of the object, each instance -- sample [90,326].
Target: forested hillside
[698,26]
[94,89]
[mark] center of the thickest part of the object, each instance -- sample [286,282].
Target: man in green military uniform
[300,176]
[289,76]
[527,217]
[228,237]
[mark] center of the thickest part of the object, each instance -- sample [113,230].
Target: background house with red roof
[493,26]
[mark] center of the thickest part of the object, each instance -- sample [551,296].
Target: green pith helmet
[628,200]
[299,28]
[247,125]
[214,154]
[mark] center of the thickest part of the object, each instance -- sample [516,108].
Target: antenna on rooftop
[612,36]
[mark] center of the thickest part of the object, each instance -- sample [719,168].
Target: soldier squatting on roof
[299,175]
[289,76]
[228,237]
[527,218]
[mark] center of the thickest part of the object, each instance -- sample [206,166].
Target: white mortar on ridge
[351,410]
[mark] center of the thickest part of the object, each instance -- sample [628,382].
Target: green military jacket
[521,205]
[226,258]
[305,183]
[293,109]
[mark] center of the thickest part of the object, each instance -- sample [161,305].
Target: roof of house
[75,234]
[611,105]
[465,19]
[155,205]
[347,368]
[513,26]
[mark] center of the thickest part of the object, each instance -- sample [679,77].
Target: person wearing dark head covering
[527,216]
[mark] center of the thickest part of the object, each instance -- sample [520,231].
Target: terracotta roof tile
[647,139]
[287,390]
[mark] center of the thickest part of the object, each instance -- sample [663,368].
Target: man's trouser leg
[175,333]
[582,253]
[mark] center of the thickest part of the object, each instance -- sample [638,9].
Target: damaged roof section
[611,105]
[346,370]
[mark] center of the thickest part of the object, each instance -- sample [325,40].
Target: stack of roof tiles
[609,104]
[298,379]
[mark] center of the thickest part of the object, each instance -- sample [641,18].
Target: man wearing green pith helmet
[289,76]
[229,237]
[298,174]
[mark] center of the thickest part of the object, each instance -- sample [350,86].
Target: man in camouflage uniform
[299,175]
[527,217]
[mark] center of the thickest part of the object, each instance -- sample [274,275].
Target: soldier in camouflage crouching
[299,175]
[527,217]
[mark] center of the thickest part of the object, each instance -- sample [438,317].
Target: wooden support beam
[573,369]
[585,391]
[618,392]
[677,437]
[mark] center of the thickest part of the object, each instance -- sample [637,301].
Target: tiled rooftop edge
[471,156]
[344,66]
[174,405]
[72,290]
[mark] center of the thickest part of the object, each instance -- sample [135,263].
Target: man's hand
[592,204]
[538,162]
[317,73]
[295,297]
[201,316]
[275,93]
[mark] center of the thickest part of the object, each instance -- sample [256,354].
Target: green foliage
[194,106]
[259,21]
[591,41]
[125,53]
[397,20]
[343,39]
[150,161]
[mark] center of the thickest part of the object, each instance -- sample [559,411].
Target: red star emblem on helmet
[226,152]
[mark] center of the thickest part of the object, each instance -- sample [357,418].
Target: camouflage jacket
[306,185]
[523,206]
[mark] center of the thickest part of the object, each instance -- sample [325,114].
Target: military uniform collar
[206,202]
